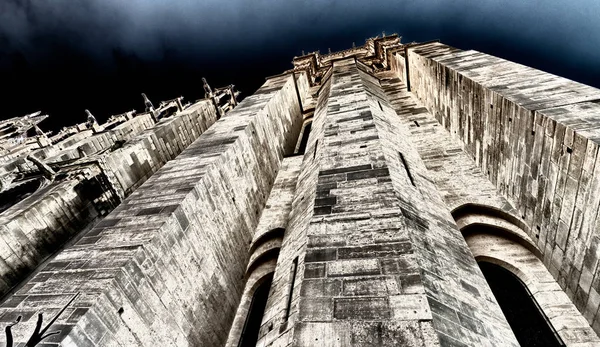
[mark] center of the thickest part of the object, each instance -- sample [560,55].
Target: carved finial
[353,44]
[38,131]
[208,93]
[383,34]
[81,152]
[232,94]
[303,53]
[179,103]
[148,103]
[91,120]
[329,50]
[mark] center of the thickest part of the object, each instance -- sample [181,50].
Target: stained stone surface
[535,135]
[38,226]
[154,271]
[422,159]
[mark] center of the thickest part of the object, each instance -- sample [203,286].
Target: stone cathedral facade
[390,194]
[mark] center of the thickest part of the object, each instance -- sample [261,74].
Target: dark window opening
[315,153]
[305,136]
[522,312]
[255,313]
[410,177]
[291,291]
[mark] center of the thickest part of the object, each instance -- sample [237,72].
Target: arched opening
[18,193]
[256,311]
[276,233]
[527,321]
[483,210]
[305,135]
[534,304]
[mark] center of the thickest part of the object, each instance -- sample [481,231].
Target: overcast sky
[62,56]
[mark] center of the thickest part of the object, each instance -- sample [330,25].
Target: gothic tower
[390,194]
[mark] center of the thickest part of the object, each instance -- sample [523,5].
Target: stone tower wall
[374,275]
[462,186]
[534,135]
[410,176]
[39,226]
[155,270]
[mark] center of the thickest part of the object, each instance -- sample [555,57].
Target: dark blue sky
[62,56]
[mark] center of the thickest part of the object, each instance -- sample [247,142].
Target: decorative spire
[38,131]
[148,103]
[91,120]
[208,93]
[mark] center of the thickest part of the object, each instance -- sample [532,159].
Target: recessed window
[526,320]
[255,313]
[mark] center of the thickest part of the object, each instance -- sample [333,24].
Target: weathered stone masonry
[164,268]
[362,187]
[534,134]
[375,274]
[37,227]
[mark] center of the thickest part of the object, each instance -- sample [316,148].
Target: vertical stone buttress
[166,267]
[534,135]
[380,258]
[36,228]
[266,243]
[285,284]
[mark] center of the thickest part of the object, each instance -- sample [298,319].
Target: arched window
[526,291]
[305,135]
[525,318]
[255,313]
[254,303]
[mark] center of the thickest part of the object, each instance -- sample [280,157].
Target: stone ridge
[294,241]
[463,308]
[39,226]
[152,272]
[534,134]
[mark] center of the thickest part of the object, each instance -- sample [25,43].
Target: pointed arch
[473,217]
[496,237]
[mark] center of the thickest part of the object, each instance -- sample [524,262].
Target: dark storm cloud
[149,28]
[105,52]
[145,28]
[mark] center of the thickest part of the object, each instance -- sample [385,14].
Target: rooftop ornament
[91,120]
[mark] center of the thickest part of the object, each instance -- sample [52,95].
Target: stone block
[356,267]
